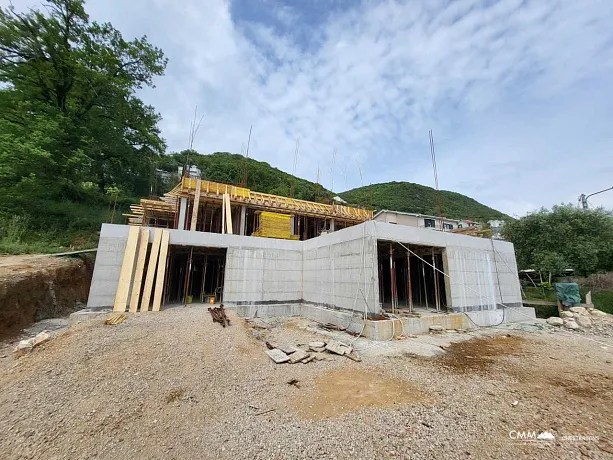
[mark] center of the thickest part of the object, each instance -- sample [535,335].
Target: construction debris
[315,352]
[338,348]
[277,356]
[298,356]
[115,318]
[219,315]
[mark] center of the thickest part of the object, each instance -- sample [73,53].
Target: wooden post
[223,213]
[196,205]
[409,287]
[125,275]
[161,274]
[391,252]
[437,300]
[228,213]
[143,244]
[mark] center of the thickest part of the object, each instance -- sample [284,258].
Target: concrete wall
[340,270]
[337,270]
[482,272]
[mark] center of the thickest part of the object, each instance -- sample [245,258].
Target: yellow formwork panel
[275,225]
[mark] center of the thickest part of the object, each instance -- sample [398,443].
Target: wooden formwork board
[161,272]
[228,213]
[125,274]
[196,205]
[151,269]
[143,244]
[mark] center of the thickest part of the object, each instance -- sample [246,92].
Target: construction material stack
[275,225]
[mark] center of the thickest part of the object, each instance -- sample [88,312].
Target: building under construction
[205,206]
[206,242]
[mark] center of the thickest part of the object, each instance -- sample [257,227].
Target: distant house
[416,220]
[496,226]
[467,223]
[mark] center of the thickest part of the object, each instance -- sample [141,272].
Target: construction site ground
[175,385]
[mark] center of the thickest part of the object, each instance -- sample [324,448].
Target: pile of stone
[577,317]
[313,351]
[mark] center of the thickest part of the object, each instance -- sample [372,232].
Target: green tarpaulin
[567,293]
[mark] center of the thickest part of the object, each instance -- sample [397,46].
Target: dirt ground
[174,385]
[36,287]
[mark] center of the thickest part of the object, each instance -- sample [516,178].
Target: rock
[596,312]
[298,356]
[317,344]
[337,347]
[555,321]
[277,356]
[583,321]
[317,349]
[308,359]
[571,324]
[566,314]
[24,347]
[41,338]
[578,310]
[288,350]
[437,329]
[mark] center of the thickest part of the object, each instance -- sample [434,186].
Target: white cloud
[516,91]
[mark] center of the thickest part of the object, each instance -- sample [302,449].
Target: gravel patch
[174,385]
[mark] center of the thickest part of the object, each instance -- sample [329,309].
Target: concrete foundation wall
[482,272]
[340,270]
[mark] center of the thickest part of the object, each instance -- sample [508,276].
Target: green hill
[409,197]
[396,196]
[261,177]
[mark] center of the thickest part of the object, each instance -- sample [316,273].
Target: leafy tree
[79,79]
[565,237]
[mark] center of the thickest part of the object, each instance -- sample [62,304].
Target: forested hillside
[74,137]
[409,197]
[232,168]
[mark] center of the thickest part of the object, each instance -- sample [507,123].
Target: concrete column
[182,212]
[243,222]
[331,225]
[291,225]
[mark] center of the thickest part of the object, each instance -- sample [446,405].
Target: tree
[565,237]
[73,83]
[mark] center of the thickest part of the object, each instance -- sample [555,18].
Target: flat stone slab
[337,347]
[277,356]
[317,344]
[288,350]
[298,356]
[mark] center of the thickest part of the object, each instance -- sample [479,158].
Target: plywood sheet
[125,275]
[151,269]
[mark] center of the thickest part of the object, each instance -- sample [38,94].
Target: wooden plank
[196,204]
[228,214]
[143,244]
[159,279]
[125,275]
[72,253]
[151,268]
[223,214]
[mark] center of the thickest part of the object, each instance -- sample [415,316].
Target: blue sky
[517,92]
